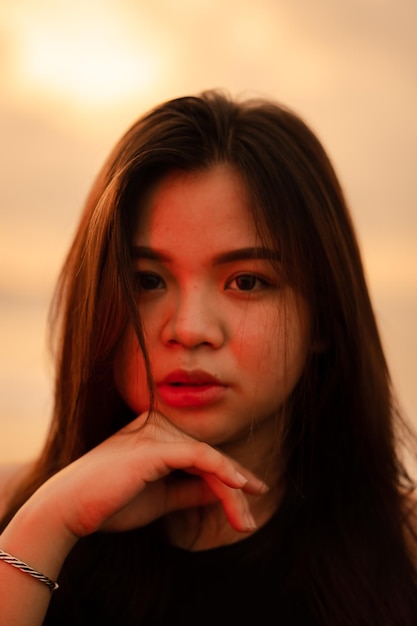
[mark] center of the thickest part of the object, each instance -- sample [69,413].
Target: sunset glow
[90,60]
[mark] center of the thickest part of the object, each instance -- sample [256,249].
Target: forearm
[34,538]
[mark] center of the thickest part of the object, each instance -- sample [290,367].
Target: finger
[234,502]
[187,493]
[161,498]
[200,458]
[253,484]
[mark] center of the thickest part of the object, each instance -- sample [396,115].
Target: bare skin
[117,486]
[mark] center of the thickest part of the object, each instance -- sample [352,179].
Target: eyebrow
[240,254]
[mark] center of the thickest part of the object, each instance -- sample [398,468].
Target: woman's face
[227,339]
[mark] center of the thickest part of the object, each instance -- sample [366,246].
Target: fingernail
[250,521]
[242,480]
[263,488]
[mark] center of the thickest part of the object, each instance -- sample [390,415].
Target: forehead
[183,206]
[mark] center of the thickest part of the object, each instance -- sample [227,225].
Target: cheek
[295,345]
[275,348]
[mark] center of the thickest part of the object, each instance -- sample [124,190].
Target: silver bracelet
[24,567]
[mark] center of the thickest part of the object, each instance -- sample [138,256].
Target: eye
[248,282]
[147,281]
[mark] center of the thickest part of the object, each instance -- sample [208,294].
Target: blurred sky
[74,75]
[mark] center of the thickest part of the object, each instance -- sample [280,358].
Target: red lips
[191,389]
[193,377]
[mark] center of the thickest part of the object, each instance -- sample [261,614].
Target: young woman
[225,443]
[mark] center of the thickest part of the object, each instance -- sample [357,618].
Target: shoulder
[10,476]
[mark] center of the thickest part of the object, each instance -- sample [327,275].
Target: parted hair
[341,433]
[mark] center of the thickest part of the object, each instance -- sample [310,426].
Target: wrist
[36,537]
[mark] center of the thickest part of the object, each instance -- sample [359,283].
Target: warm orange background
[75,74]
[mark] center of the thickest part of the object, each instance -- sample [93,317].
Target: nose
[194,320]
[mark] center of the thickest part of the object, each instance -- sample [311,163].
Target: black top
[242,583]
[248,582]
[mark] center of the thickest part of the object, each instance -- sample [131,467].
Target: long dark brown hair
[342,428]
